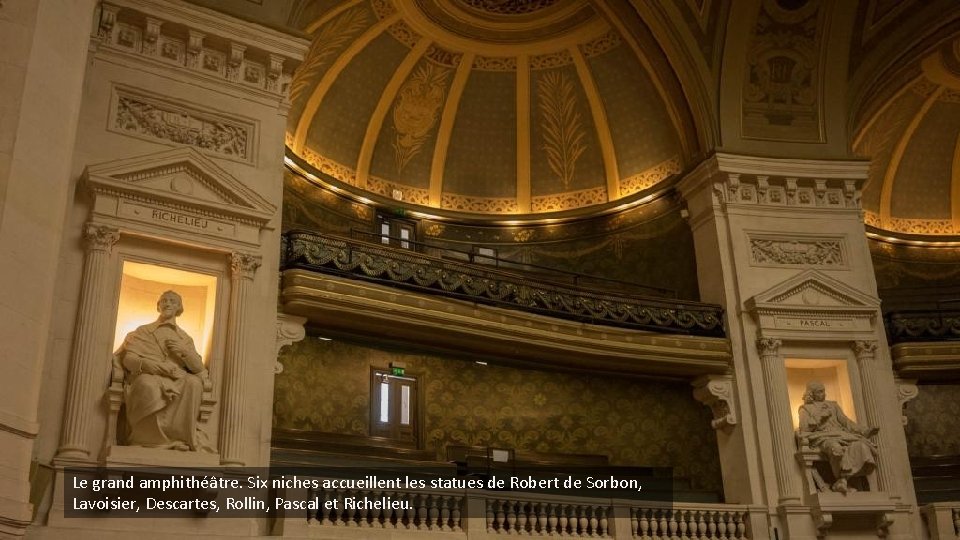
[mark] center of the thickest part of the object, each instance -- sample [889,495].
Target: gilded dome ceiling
[913,140]
[487,106]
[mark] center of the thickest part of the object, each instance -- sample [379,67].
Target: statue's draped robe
[161,411]
[838,438]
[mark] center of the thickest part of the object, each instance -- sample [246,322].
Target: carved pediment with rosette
[813,305]
[175,193]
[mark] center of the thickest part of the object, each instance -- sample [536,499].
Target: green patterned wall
[325,387]
[933,426]
[359,87]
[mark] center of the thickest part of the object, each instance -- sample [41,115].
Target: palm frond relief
[563,133]
[328,40]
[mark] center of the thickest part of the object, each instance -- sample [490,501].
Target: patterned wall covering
[933,428]
[482,159]
[634,422]
[621,79]
[358,89]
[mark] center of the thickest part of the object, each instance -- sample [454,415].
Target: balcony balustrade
[486,514]
[475,282]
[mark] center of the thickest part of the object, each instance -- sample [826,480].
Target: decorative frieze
[915,325]
[650,177]
[149,117]
[403,268]
[568,200]
[236,53]
[765,190]
[771,250]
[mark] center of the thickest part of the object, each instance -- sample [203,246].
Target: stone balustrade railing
[943,520]
[723,522]
[415,512]
[488,514]
[529,517]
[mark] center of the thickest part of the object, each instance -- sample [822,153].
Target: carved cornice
[772,182]
[180,35]
[330,254]
[244,265]
[100,237]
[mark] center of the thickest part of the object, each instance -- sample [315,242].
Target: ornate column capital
[100,237]
[769,346]
[244,265]
[864,348]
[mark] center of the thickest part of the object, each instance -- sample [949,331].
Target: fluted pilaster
[243,266]
[89,352]
[781,423]
[866,353]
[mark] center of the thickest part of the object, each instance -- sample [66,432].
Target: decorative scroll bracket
[716,392]
[907,390]
[289,331]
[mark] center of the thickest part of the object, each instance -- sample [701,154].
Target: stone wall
[933,427]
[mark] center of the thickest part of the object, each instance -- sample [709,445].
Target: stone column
[781,423]
[90,352]
[242,268]
[866,353]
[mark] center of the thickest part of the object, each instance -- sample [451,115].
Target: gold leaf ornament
[331,37]
[562,125]
[417,110]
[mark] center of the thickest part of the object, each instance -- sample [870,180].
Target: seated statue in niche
[841,441]
[164,383]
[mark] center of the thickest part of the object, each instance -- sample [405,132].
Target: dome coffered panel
[485,106]
[913,140]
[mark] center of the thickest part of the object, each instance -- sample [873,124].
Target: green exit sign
[397,371]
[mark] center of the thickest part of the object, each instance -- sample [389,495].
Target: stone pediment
[181,176]
[176,192]
[813,302]
[813,290]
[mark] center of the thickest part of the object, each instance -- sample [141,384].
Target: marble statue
[841,441]
[164,382]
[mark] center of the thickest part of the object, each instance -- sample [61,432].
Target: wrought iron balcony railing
[398,267]
[923,325]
